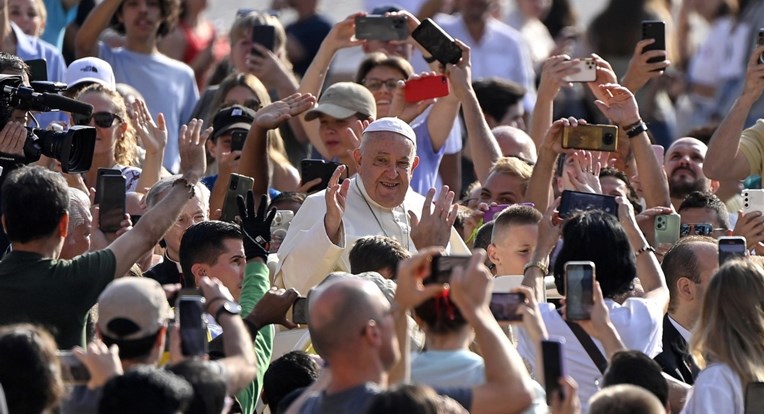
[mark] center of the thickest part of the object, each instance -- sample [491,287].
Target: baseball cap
[391,124]
[232,117]
[90,69]
[343,100]
[132,308]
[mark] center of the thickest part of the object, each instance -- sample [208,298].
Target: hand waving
[256,227]
[434,226]
[277,113]
[334,197]
[618,104]
[192,148]
[153,135]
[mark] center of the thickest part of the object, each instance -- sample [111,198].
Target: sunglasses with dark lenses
[703,229]
[102,119]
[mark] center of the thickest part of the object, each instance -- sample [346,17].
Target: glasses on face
[376,84]
[702,229]
[185,221]
[102,119]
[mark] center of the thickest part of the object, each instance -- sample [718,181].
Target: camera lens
[608,138]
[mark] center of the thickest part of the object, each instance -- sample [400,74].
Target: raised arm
[86,42]
[153,135]
[728,162]
[539,188]
[129,247]
[554,69]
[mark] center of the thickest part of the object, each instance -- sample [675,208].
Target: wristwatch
[228,307]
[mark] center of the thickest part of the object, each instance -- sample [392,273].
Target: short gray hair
[160,188]
[79,207]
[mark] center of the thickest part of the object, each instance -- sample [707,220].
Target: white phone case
[587,71]
[754,200]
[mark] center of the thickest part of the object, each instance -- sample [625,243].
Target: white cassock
[307,256]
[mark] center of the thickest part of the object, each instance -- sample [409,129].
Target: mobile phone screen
[300,311]
[73,371]
[504,306]
[579,279]
[111,202]
[312,169]
[574,200]
[441,268]
[193,327]
[263,35]
[729,248]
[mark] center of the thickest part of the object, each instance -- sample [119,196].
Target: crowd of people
[267,192]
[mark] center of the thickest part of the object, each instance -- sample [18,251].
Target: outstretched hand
[192,148]
[279,112]
[255,227]
[618,104]
[335,197]
[433,227]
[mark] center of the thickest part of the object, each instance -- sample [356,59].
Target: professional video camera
[73,148]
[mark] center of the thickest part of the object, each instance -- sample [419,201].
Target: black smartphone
[103,171]
[38,69]
[300,311]
[441,268]
[237,140]
[760,42]
[552,359]
[237,185]
[312,169]
[189,313]
[730,247]
[264,35]
[654,29]
[571,201]
[437,42]
[73,371]
[378,27]
[579,278]
[111,206]
[504,306]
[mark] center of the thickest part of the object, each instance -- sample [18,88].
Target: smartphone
[73,371]
[654,29]
[437,42]
[189,314]
[111,206]
[759,42]
[38,70]
[237,140]
[384,28]
[104,171]
[753,398]
[237,185]
[730,247]
[754,200]
[426,87]
[591,137]
[571,201]
[264,35]
[279,227]
[587,71]
[311,169]
[300,311]
[579,278]
[441,268]
[552,361]
[489,214]
[666,228]
[504,306]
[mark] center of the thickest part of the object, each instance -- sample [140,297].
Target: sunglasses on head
[703,229]
[102,119]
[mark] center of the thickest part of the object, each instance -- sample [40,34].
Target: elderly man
[376,201]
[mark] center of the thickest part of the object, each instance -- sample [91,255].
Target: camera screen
[504,306]
[573,200]
[578,291]
[441,269]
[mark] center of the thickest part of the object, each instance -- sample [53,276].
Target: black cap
[232,117]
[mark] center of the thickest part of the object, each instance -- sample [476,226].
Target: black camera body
[73,148]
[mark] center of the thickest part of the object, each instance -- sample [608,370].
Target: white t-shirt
[638,321]
[447,369]
[717,390]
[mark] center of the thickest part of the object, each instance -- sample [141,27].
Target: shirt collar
[686,334]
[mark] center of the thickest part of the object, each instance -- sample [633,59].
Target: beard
[682,189]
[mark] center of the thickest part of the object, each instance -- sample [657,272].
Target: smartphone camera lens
[233,185]
[608,138]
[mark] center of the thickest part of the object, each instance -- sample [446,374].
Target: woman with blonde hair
[727,341]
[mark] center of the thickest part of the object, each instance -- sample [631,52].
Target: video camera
[73,148]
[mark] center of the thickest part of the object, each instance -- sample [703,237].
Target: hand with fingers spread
[12,138]
[255,227]
[585,176]
[279,112]
[554,69]
[192,149]
[604,74]
[153,135]
[640,70]
[618,104]
[411,291]
[101,361]
[342,34]
[433,227]
[335,197]
[272,308]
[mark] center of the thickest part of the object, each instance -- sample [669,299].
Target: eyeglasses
[376,84]
[702,229]
[102,119]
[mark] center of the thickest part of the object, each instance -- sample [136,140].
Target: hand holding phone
[437,42]
[587,71]
[238,185]
[426,87]
[300,311]
[492,212]
[73,371]
[591,137]
[553,370]
[189,313]
[383,28]
[504,306]
[441,268]
[312,169]
[572,201]
[264,35]
[111,207]
[666,228]
[654,29]
[579,279]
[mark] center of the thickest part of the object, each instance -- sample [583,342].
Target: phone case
[111,208]
[238,185]
[189,311]
[300,311]
[754,200]
[376,27]
[729,247]
[504,306]
[264,35]
[441,268]
[666,228]
[311,169]
[587,71]
[592,137]
[654,29]
[426,87]
[493,211]
[572,201]
[437,42]
[237,140]
[579,300]
[552,361]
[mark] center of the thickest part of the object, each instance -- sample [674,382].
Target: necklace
[379,224]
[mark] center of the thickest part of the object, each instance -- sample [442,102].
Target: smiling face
[106,138]
[377,81]
[26,15]
[684,165]
[502,188]
[386,162]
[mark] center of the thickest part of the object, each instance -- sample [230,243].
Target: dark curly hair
[170,9]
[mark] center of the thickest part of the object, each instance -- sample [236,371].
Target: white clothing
[638,321]
[535,35]
[686,334]
[307,256]
[448,369]
[167,85]
[717,390]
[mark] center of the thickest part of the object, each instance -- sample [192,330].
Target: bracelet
[646,248]
[632,125]
[636,130]
[539,265]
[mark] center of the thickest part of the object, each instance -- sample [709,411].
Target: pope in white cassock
[376,201]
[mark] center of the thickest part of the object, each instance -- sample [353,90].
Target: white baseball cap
[90,69]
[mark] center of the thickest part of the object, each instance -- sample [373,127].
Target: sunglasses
[374,84]
[703,229]
[102,119]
